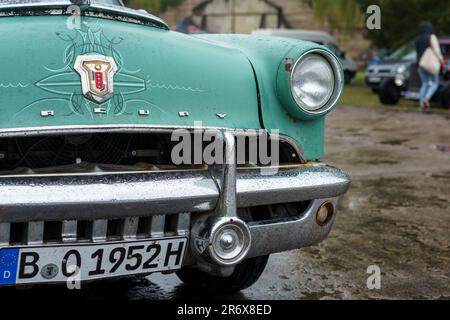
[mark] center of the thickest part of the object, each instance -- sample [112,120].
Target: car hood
[163,78]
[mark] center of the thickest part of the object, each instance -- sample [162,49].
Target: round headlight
[312,82]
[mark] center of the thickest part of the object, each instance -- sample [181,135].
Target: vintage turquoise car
[96,100]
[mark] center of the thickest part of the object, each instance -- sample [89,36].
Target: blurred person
[447,70]
[430,59]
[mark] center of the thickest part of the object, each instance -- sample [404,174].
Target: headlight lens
[312,82]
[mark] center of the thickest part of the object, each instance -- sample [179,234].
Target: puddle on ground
[443,148]
[394,142]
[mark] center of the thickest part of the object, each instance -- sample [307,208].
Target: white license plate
[374,79]
[62,263]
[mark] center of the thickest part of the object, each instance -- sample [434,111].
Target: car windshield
[402,53]
[5,2]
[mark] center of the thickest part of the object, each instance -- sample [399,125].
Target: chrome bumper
[293,234]
[87,197]
[34,199]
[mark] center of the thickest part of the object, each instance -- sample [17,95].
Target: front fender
[267,54]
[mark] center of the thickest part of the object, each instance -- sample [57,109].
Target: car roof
[309,35]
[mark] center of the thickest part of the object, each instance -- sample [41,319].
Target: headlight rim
[337,86]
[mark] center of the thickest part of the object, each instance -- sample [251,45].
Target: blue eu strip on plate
[9,259]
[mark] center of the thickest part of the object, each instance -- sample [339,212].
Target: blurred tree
[345,15]
[153,6]
[400,20]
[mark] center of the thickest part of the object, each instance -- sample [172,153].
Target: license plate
[374,79]
[62,263]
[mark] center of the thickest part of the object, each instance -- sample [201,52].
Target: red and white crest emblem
[97,76]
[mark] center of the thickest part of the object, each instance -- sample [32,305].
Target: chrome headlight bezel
[337,86]
[285,85]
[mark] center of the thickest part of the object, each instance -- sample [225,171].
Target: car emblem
[97,76]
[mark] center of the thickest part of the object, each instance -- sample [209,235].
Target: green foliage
[345,15]
[400,19]
[153,6]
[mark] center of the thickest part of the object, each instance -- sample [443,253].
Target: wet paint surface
[396,215]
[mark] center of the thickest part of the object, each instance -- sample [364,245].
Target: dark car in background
[386,70]
[404,81]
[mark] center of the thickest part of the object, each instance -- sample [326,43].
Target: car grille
[63,232]
[100,152]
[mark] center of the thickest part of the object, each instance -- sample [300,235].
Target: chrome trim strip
[79,129]
[59,8]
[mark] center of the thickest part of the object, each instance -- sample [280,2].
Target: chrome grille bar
[99,230]
[69,231]
[130,228]
[73,231]
[157,227]
[4,233]
[35,233]
[183,223]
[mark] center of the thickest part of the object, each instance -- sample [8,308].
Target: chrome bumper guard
[146,194]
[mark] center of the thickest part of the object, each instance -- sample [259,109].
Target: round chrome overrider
[220,240]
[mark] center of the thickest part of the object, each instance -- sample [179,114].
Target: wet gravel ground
[396,216]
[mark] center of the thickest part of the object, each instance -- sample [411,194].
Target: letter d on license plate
[40,264]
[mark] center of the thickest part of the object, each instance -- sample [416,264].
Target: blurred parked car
[385,71]
[319,37]
[378,57]
[405,81]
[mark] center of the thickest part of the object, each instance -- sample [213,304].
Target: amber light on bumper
[325,214]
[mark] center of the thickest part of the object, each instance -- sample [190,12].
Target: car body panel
[317,36]
[87,145]
[267,54]
[160,71]
[153,76]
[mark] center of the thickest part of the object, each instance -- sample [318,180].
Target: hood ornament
[97,76]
